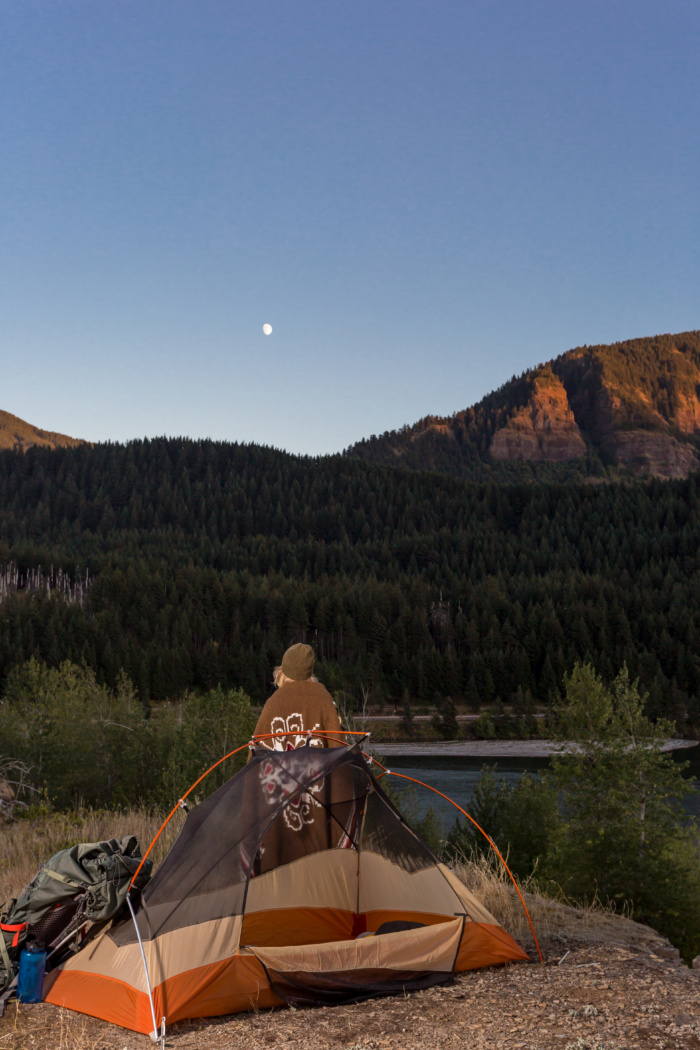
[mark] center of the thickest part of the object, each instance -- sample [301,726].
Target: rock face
[545,429]
[636,415]
[633,405]
[652,454]
[687,415]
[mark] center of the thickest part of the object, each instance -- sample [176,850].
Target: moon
[267,329]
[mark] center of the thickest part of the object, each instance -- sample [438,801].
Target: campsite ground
[620,986]
[603,996]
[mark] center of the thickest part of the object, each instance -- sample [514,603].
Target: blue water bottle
[32,965]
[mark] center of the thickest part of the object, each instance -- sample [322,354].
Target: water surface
[457,777]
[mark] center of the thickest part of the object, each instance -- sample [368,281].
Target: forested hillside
[627,409]
[208,559]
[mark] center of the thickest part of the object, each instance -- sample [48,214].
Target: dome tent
[249,910]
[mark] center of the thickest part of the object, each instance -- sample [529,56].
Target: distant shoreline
[488,748]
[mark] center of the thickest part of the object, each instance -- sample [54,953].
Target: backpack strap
[10,990]
[7,990]
[5,959]
[64,878]
[15,928]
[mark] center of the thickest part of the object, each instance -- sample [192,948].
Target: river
[456,776]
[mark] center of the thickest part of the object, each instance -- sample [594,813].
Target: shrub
[85,744]
[80,740]
[198,731]
[520,818]
[624,836]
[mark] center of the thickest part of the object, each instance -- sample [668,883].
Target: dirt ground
[598,997]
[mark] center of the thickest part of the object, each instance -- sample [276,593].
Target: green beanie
[298,662]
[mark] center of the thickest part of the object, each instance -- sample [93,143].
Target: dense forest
[193,563]
[651,384]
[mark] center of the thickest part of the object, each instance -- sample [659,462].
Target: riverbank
[486,748]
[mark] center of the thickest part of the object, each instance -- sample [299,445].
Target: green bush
[624,836]
[81,741]
[607,820]
[86,744]
[445,721]
[519,818]
[200,730]
[483,728]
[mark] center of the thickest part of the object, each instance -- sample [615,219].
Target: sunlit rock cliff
[631,408]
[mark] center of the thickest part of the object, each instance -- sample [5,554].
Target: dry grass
[24,1028]
[557,919]
[27,844]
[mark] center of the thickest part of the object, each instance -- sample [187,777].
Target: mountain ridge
[623,409]
[16,433]
[606,412]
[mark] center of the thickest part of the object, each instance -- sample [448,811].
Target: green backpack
[84,884]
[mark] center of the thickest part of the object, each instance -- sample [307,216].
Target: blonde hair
[280,678]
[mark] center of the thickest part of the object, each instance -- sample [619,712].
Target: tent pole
[321,734]
[490,841]
[155,1037]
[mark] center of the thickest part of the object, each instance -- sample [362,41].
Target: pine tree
[407,724]
[449,724]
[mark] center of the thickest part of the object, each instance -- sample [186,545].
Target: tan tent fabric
[429,948]
[386,887]
[168,955]
[321,880]
[473,907]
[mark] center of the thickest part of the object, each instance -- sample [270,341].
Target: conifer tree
[407,723]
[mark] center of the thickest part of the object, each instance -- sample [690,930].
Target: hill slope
[631,408]
[16,434]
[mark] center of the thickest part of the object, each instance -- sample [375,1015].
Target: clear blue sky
[422,198]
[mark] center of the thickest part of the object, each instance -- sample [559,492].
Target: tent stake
[155,1038]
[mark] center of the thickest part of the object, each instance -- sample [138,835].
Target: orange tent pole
[331,734]
[490,841]
[175,808]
